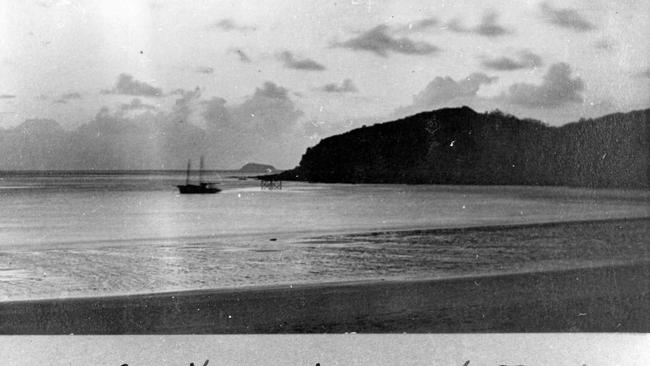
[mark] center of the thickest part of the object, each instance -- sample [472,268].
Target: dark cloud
[291,62]
[216,114]
[261,120]
[420,25]
[39,126]
[136,105]
[567,18]
[204,70]
[7,96]
[424,24]
[177,92]
[557,89]
[263,128]
[645,73]
[228,25]
[503,63]
[35,144]
[525,60]
[378,40]
[186,104]
[64,98]
[445,92]
[347,86]
[488,27]
[605,44]
[243,57]
[442,90]
[269,110]
[455,25]
[126,85]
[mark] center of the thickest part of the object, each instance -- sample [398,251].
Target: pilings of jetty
[270,184]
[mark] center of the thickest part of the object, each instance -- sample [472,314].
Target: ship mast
[201,171]
[187,176]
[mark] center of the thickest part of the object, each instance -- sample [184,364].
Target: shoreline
[327,284]
[301,235]
[335,236]
[613,298]
[455,229]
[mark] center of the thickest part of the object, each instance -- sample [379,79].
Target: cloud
[420,25]
[7,96]
[136,104]
[291,62]
[455,25]
[347,86]
[566,18]
[269,110]
[525,60]
[445,91]
[263,128]
[204,70]
[605,44]
[228,25]
[243,57]
[186,104]
[34,144]
[557,89]
[488,27]
[177,92]
[378,41]
[645,73]
[64,98]
[424,24]
[126,85]
[216,114]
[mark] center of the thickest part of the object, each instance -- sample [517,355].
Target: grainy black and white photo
[302,182]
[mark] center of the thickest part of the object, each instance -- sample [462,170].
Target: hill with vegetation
[460,146]
[257,168]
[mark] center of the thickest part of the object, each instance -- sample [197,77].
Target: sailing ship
[202,187]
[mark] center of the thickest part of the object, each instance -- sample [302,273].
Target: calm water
[96,234]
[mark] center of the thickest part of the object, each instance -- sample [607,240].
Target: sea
[79,234]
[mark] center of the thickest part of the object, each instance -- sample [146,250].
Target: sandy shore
[599,299]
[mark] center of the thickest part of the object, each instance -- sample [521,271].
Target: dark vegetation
[460,146]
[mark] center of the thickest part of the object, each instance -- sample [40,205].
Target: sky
[146,84]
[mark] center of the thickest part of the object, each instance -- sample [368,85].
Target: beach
[596,281]
[598,299]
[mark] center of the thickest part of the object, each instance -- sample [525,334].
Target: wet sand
[599,299]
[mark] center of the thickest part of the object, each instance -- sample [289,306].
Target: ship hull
[197,189]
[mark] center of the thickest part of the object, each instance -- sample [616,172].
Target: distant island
[461,146]
[257,168]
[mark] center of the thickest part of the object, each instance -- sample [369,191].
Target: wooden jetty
[270,184]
